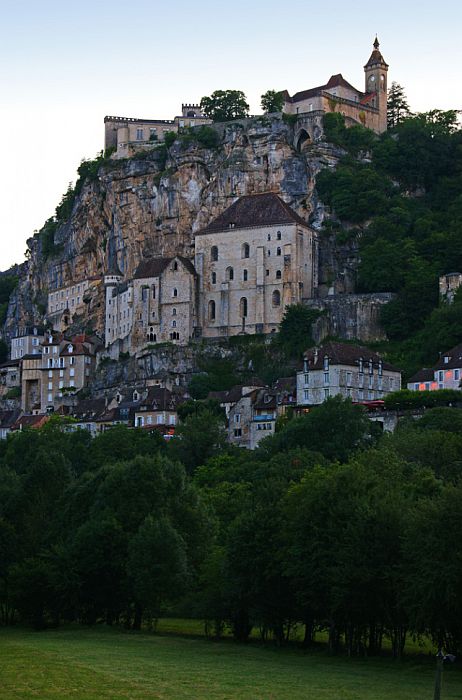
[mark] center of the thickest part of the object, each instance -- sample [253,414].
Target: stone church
[368,107]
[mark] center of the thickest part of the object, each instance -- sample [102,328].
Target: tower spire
[376,43]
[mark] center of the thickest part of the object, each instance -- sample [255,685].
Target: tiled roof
[334,81]
[423,375]
[8,418]
[88,409]
[30,422]
[152,267]
[343,354]
[266,209]
[454,359]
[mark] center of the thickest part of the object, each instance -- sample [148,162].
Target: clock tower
[376,84]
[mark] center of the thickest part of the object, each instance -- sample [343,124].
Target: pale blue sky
[65,65]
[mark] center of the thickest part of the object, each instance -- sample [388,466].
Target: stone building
[449,284]
[159,305]
[350,371]
[252,418]
[253,260]
[63,367]
[26,342]
[338,95]
[128,134]
[446,374]
[65,302]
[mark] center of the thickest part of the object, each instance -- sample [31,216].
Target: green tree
[295,331]
[336,429]
[272,101]
[197,439]
[225,105]
[157,566]
[397,106]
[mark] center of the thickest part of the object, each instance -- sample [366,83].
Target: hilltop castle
[128,135]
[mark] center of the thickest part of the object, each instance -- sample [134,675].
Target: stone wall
[350,316]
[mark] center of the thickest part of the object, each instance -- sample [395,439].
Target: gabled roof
[267,209]
[88,409]
[423,375]
[31,422]
[454,359]
[8,418]
[154,267]
[343,354]
[334,81]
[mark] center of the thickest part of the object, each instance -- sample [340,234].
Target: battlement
[136,120]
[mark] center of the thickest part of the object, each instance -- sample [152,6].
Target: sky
[65,65]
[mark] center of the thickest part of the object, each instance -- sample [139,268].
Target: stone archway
[302,140]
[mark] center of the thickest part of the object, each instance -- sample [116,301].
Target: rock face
[153,203]
[350,316]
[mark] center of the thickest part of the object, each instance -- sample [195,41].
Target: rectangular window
[139,134]
[306,395]
[237,417]
[326,393]
[457,374]
[61,384]
[326,378]
[72,383]
[50,386]
[50,398]
[307,379]
[349,378]
[440,375]
[72,372]
[237,432]
[72,360]
[61,373]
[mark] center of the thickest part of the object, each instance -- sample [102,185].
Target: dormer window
[446,360]
[361,365]
[136,396]
[231,224]
[70,349]
[326,362]
[371,367]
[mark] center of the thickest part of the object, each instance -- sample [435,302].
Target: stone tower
[376,84]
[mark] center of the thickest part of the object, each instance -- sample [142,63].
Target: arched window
[214,253]
[173,323]
[245,250]
[211,310]
[175,265]
[269,236]
[244,275]
[174,312]
[276,299]
[214,277]
[175,292]
[153,292]
[279,235]
[278,274]
[229,273]
[278,251]
[243,307]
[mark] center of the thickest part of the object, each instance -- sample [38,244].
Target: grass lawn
[98,663]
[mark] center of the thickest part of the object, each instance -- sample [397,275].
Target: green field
[103,663]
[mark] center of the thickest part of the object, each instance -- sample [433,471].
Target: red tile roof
[343,354]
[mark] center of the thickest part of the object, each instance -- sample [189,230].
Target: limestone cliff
[152,204]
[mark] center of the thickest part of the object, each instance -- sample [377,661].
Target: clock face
[372,79]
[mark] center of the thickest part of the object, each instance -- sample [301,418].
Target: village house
[368,107]
[63,367]
[158,408]
[350,371]
[252,418]
[26,341]
[253,260]
[7,421]
[449,285]
[10,377]
[446,374]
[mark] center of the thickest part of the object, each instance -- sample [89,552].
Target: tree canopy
[225,105]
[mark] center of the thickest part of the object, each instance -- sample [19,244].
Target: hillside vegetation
[400,194]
